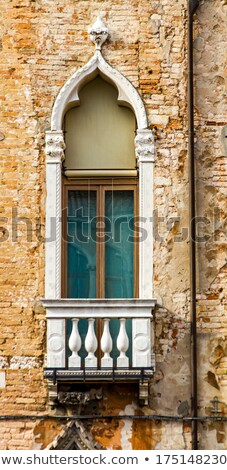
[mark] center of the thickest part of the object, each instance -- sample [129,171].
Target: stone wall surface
[210,119]
[42,43]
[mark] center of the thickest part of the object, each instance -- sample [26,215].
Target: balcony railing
[78,348]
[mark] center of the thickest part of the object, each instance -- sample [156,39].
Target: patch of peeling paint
[126,431]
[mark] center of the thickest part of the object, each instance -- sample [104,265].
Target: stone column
[141,328]
[54,156]
[55,328]
[145,157]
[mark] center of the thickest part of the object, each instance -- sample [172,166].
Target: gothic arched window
[98,271]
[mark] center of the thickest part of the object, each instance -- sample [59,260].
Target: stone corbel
[52,393]
[55,146]
[143,392]
[144,144]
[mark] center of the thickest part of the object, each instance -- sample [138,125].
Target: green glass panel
[119,255]
[119,246]
[81,244]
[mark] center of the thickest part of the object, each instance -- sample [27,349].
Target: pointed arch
[69,94]
[74,436]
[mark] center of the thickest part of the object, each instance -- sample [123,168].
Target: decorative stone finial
[98,33]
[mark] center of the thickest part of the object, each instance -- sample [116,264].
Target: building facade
[127,72]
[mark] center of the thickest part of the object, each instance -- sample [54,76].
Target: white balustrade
[141,344]
[75,345]
[91,345]
[106,345]
[122,345]
[137,311]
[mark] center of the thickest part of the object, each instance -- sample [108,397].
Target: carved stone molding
[74,436]
[144,141]
[79,398]
[98,33]
[98,374]
[55,146]
[69,94]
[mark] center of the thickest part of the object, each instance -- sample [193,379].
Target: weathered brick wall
[211,107]
[42,43]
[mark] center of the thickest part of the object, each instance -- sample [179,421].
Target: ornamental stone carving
[55,146]
[144,145]
[98,33]
[79,398]
[69,94]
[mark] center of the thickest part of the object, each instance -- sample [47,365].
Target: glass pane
[81,244]
[119,246]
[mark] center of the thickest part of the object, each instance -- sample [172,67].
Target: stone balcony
[121,349]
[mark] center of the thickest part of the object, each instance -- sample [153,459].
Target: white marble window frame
[55,145]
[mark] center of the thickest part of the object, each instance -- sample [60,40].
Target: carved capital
[55,147]
[144,143]
[98,33]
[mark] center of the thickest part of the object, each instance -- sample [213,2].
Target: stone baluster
[75,345]
[91,344]
[106,345]
[122,345]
